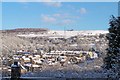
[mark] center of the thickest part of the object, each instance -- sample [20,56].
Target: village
[30,62]
[51,49]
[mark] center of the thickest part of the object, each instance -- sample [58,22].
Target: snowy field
[64,34]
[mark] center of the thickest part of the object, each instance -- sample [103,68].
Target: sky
[58,15]
[0,15]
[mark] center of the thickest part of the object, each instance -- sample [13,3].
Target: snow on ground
[64,34]
[88,69]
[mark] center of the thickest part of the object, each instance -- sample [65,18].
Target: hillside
[56,40]
[61,41]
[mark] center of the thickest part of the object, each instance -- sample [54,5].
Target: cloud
[57,15]
[54,4]
[67,21]
[28,0]
[23,1]
[62,15]
[83,11]
[47,0]
[47,18]
[35,0]
[61,0]
[56,19]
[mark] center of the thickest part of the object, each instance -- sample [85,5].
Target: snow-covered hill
[64,34]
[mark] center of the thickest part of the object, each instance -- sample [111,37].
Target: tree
[112,59]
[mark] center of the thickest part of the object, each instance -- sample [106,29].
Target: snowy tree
[112,59]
